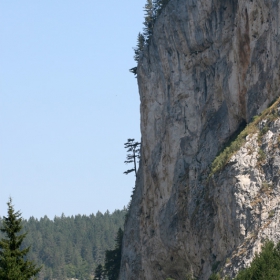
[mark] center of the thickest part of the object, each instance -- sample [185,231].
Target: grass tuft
[261,156]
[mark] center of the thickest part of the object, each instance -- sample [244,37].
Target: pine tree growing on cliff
[13,263]
[140,46]
[134,148]
[158,6]
[137,51]
[152,10]
[144,38]
[149,20]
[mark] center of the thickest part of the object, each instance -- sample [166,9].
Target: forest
[71,247]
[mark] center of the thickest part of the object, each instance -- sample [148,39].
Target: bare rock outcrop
[210,67]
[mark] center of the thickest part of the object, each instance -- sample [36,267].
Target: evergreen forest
[71,247]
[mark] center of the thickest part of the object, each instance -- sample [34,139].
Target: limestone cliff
[210,67]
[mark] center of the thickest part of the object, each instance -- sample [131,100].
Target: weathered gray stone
[210,67]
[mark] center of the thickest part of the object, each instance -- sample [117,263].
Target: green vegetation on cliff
[231,148]
[152,9]
[265,265]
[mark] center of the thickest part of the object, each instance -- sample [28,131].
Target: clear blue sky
[67,104]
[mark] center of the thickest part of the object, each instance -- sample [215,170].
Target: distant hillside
[71,247]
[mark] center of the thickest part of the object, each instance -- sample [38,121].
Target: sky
[67,104]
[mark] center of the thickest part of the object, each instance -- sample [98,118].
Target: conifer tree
[132,147]
[137,51]
[99,272]
[113,258]
[13,263]
[158,6]
[140,46]
[152,10]
[149,20]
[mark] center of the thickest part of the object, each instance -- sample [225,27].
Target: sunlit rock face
[210,67]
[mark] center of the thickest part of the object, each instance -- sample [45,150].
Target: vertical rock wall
[210,67]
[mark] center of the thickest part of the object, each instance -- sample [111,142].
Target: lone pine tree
[13,262]
[132,147]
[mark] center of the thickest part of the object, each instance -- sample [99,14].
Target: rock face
[210,67]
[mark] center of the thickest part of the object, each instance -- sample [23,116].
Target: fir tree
[152,10]
[113,258]
[140,46]
[149,20]
[137,51]
[99,272]
[13,263]
[158,6]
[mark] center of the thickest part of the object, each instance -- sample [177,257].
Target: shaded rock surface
[210,67]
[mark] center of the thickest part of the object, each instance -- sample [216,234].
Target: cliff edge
[210,66]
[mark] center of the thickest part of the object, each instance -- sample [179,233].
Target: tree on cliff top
[13,263]
[158,6]
[149,21]
[137,51]
[152,9]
